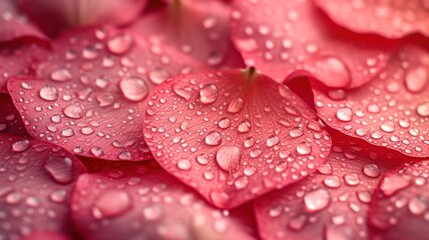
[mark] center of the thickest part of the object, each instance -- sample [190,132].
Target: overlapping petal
[36,180]
[283,37]
[391,111]
[90,94]
[10,120]
[145,202]
[233,135]
[392,19]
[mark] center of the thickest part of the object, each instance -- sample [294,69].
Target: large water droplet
[48,93]
[344,114]
[133,88]
[423,109]
[213,138]
[208,94]
[236,105]
[120,43]
[74,110]
[112,204]
[61,75]
[417,205]
[184,164]
[183,91]
[241,182]
[244,126]
[371,170]
[228,156]
[303,148]
[416,79]
[60,168]
[336,69]
[158,75]
[20,146]
[317,200]
[394,183]
[272,141]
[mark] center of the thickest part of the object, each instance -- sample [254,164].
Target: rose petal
[331,203]
[198,28]
[399,209]
[10,120]
[391,111]
[54,16]
[36,179]
[14,25]
[392,19]
[280,38]
[94,90]
[145,202]
[233,135]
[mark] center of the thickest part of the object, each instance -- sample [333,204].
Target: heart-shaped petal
[14,25]
[399,209]
[36,180]
[198,28]
[392,19]
[283,37]
[93,91]
[331,203]
[10,120]
[233,135]
[391,111]
[54,16]
[142,201]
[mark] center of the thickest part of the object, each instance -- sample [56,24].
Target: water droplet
[20,146]
[183,91]
[332,181]
[74,110]
[236,105]
[60,168]
[48,93]
[423,109]
[228,157]
[249,142]
[97,151]
[394,183]
[303,148]
[416,79]
[208,94]
[112,203]
[213,138]
[120,43]
[203,159]
[152,212]
[417,205]
[67,132]
[344,114]
[388,126]
[244,126]
[296,132]
[371,170]
[224,123]
[133,88]
[184,164]
[158,75]
[241,182]
[336,69]
[61,75]
[352,179]
[317,200]
[272,141]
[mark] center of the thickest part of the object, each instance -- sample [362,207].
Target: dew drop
[228,156]
[387,126]
[244,126]
[20,146]
[272,141]
[48,93]
[371,170]
[208,94]
[112,204]
[152,212]
[60,168]
[317,200]
[416,79]
[344,114]
[133,88]
[336,69]
[417,205]
[74,110]
[224,123]
[303,148]
[120,43]
[182,91]
[61,75]
[158,75]
[213,138]
[394,183]
[235,105]
[296,132]
[423,109]
[184,164]
[241,182]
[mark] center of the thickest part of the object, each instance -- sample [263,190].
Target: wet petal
[233,135]
[92,92]
[54,16]
[197,28]
[331,203]
[144,202]
[391,111]
[399,208]
[282,38]
[10,120]
[392,19]
[36,180]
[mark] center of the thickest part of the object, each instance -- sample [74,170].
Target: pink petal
[93,92]
[391,19]
[280,38]
[399,209]
[145,202]
[54,16]
[10,120]
[391,111]
[198,28]
[331,203]
[233,135]
[36,179]
[14,25]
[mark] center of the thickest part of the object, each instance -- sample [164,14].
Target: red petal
[145,202]
[198,28]
[54,16]
[233,135]
[94,90]
[329,204]
[391,111]
[399,209]
[13,25]
[280,38]
[10,121]
[392,19]
[35,183]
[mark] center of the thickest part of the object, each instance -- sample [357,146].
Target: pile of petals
[214,119]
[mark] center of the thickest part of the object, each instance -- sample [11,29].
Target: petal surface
[392,19]
[36,182]
[288,38]
[10,120]
[233,135]
[198,28]
[145,202]
[399,209]
[391,111]
[90,95]
[331,203]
